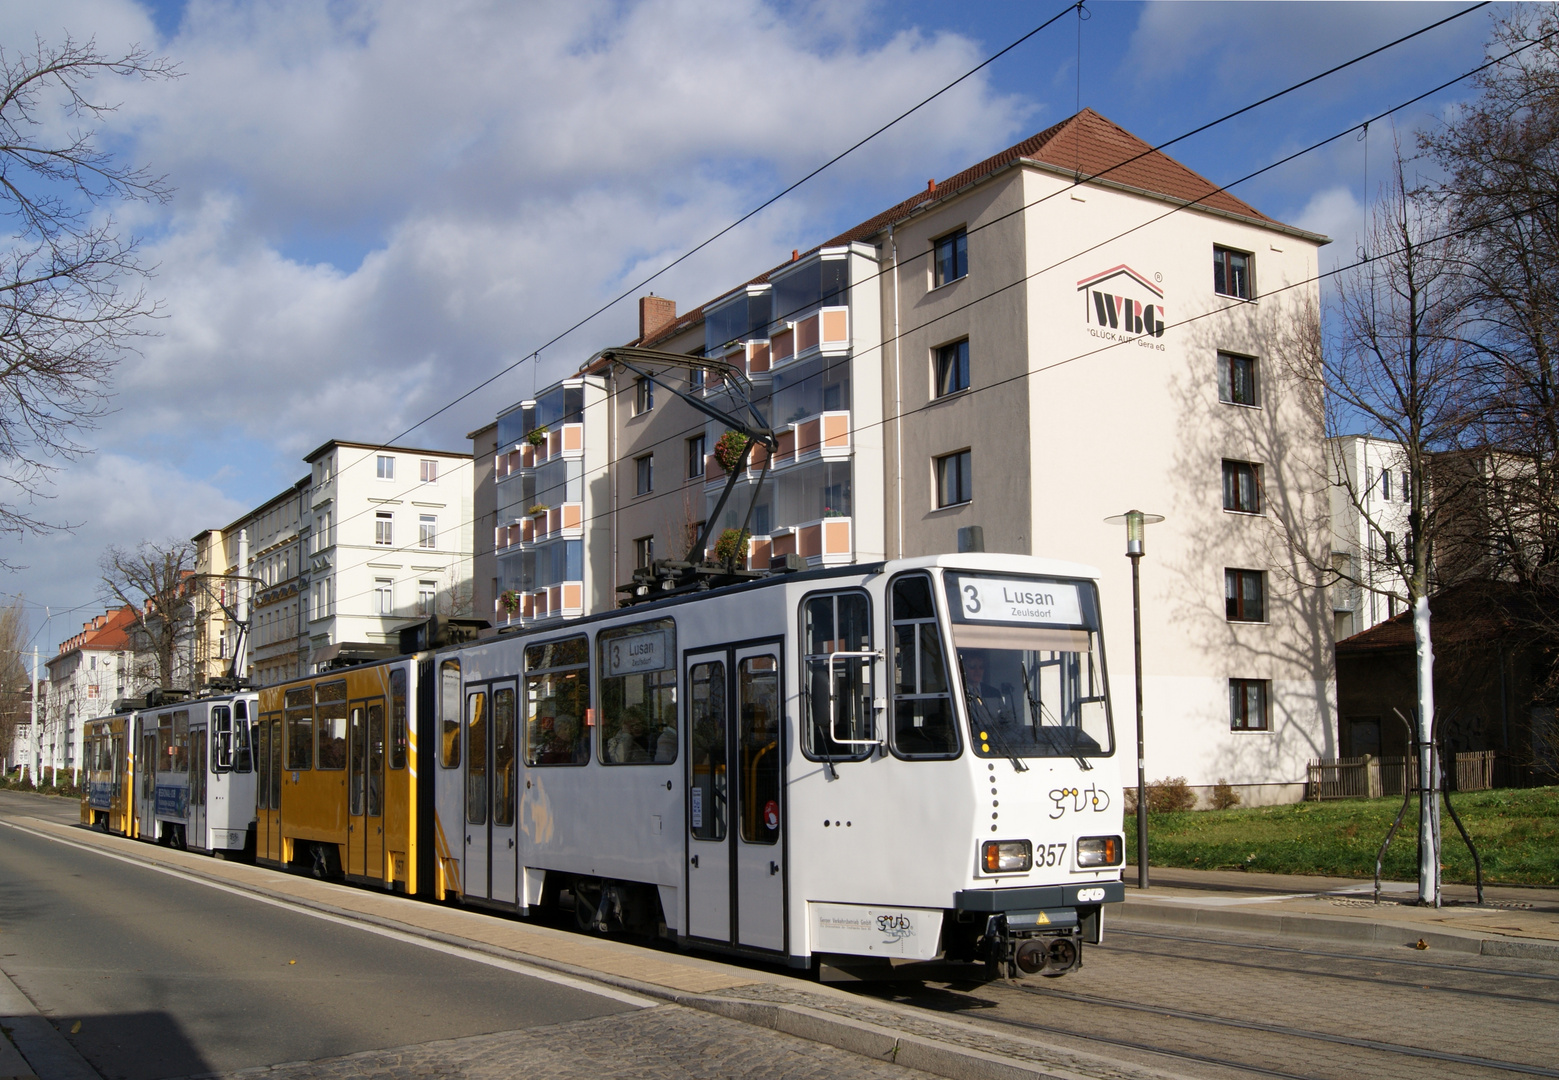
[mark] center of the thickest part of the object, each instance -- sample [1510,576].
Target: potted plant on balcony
[728,451]
[537,436]
[539,508]
[509,600]
[731,547]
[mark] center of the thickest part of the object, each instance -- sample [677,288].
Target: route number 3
[971,600]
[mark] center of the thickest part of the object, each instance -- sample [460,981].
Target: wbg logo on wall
[1121,304]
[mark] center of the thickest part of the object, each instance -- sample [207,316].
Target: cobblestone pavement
[663,1042]
[1329,1011]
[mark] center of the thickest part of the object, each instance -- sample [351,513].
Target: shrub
[1224,796]
[728,451]
[1163,796]
[536,436]
[732,546]
[509,600]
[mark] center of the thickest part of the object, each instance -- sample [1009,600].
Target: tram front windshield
[1031,689]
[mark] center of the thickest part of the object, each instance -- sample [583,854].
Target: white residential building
[86,676]
[1369,503]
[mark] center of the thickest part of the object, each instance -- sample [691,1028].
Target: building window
[952,368]
[427,531]
[384,596]
[427,593]
[643,552]
[644,468]
[695,456]
[1242,487]
[695,377]
[1231,273]
[1249,702]
[429,471]
[1237,379]
[1245,595]
[643,395]
[952,257]
[954,479]
[384,532]
[386,467]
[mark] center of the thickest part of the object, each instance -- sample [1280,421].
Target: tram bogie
[864,769]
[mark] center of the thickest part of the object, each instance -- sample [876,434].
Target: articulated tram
[860,768]
[179,773]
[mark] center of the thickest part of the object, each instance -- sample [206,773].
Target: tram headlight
[1099,851]
[1006,856]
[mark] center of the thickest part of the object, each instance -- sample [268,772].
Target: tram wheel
[587,904]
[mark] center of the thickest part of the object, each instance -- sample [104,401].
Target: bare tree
[1500,154]
[15,691]
[67,309]
[1398,368]
[156,582]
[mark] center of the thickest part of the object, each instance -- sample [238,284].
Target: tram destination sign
[635,653]
[1027,601]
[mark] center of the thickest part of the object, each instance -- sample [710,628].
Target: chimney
[931,187]
[655,314]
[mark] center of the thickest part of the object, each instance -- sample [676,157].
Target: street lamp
[1136,523]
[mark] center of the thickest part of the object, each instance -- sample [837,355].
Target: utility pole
[32,732]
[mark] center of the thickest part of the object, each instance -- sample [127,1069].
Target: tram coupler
[1018,943]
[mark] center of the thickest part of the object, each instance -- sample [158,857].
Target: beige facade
[1014,351]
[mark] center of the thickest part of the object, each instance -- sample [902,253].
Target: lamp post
[1136,523]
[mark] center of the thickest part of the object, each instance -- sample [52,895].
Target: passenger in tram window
[666,745]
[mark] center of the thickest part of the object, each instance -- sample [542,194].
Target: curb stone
[43,1052]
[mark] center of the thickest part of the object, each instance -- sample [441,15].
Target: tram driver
[990,704]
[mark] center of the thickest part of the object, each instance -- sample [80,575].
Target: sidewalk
[1513,922]
[942,1046]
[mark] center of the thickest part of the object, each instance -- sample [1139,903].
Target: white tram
[861,767]
[179,773]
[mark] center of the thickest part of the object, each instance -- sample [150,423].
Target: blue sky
[382,203]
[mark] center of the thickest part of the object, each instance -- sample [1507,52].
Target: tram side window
[476,758]
[300,728]
[504,772]
[836,623]
[709,786]
[180,756]
[923,724]
[221,738]
[398,718]
[449,714]
[639,694]
[243,752]
[330,724]
[557,696]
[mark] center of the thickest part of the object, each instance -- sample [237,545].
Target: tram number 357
[1049,855]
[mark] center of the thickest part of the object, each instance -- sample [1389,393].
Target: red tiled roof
[1087,144]
[108,633]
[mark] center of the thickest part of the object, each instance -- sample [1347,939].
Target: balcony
[825,331]
[563,522]
[565,600]
[564,441]
[820,437]
[824,542]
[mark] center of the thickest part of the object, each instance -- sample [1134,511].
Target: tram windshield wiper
[1038,712]
[993,726]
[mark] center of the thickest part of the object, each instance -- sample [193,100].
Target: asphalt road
[168,978]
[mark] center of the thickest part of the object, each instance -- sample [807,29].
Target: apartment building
[389,541]
[91,670]
[1369,504]
[1075,327]
[373,537]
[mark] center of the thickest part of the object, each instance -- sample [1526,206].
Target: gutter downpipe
[898,407]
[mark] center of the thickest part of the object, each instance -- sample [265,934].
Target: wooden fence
[1370,777]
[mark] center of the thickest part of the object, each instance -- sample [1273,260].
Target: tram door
[365,787]
[195,823]
[736,773]
[146,789]
[268,762]
[491,861]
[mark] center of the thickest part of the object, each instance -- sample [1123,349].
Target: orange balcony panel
[809,540]
[554,442]
[573,595]
[806,334]
[836,536]
[809,436]
[760,552]
[554,519]
[573,515]
[836,430]
[500,466]
[836,325]
[539,603]
[737,358]
[527,606]
[527,530]
[500,538]
[758,456]
[782,346]
[787,444]
[757,357]
[573,437]
[783,545]
[712,470]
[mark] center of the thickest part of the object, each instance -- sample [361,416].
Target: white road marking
[395,935]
